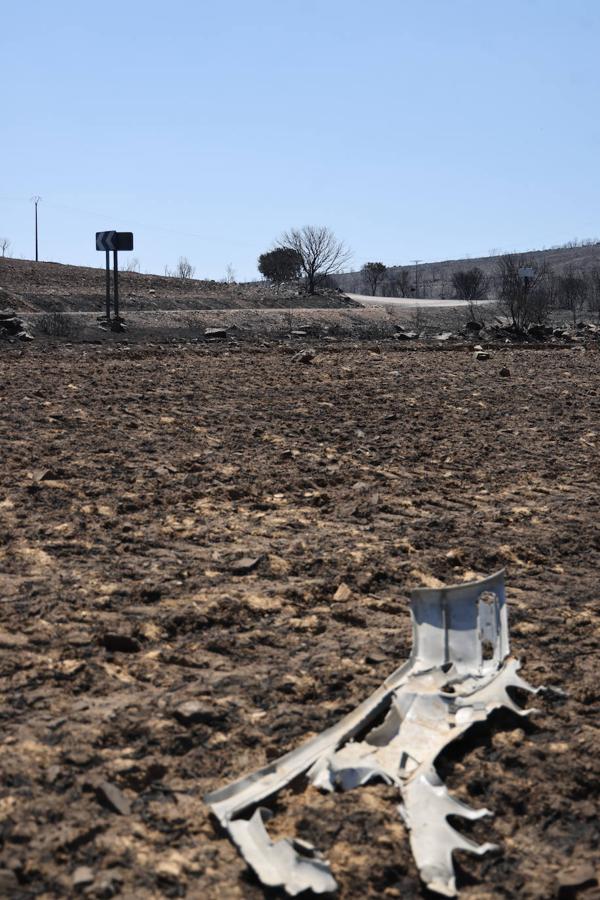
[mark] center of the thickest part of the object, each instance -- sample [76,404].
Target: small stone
[215,334]
[504,372]
[474,326]
[120,643]
[245,565]
[481,355]
[112,798]
[406,335]
[572,880]
[81,876]
[443,336]
[304,356]
[194,712]
[343,594]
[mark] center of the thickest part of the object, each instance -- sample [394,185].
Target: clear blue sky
[428,129]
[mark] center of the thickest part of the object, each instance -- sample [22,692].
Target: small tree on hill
[470,284]
[280,265]
[4,245]
[184,269]
[320,251]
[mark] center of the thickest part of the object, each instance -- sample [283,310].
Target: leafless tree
[470,284]
[230,276]
[374,273]
[399,282]
[321,252]
[4,245]
[132,265]
[572,292]
[594,292]
[524,292]
[184,269]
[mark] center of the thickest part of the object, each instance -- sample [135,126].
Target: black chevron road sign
[114,240]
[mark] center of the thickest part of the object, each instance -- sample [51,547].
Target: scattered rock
[406,335]
[304,356]
[215,334]
[443,336]
[474,326]
[245,565]
[481,355]
[120,643]
[573,880]
[343,593]
[112,798]
[82,876]
[194,712]
[297,333]
[504,372]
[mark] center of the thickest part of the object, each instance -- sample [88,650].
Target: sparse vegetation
[4,245]
[525,299]
[58,324]
[184,269]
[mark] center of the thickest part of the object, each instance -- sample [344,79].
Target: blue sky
[430,129]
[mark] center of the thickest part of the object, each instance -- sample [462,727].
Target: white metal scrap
[458,672]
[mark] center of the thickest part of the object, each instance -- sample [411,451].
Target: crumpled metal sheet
[458,672]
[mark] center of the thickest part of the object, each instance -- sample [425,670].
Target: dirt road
[411,302]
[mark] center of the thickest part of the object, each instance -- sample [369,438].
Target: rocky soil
[175,523]
[51,287]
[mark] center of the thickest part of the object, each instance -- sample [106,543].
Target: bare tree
[184,269]
[132,265]
[399,282]
[230,276]
[373,273]
[594,292]
[320,251]
[4,245]
[470,284]
[524,292]
[572,292]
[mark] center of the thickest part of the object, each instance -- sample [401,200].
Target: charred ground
[136,479]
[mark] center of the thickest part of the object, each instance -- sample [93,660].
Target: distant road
[426,303]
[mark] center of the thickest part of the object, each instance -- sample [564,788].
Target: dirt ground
[135,480]
[28,286]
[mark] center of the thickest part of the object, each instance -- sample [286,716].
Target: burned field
[205,558]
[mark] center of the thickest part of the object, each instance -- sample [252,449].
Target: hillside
[47,287]
[435,278]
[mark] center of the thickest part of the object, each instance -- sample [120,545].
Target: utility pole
[416,262]
[35,200]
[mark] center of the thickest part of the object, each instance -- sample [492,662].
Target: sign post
[108,286]
[115,241]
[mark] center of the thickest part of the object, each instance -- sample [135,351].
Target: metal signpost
[115,241]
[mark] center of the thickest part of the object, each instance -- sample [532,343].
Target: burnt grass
[133,480]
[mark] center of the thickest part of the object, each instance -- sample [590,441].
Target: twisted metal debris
[458,672]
